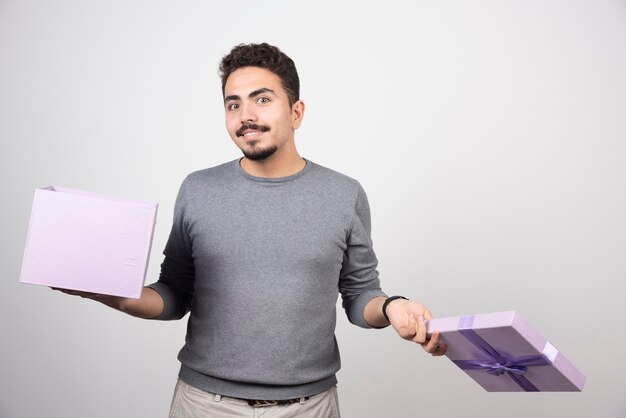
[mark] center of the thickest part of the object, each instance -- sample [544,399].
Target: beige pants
[190,402]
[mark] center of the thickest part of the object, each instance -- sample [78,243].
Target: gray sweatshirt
[258,263]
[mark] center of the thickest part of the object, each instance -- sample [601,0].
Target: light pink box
[502,352]
[87,241]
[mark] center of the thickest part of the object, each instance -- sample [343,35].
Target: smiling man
[261,118]
[259,250]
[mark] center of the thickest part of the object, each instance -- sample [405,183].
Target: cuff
[170,311]
[357,310]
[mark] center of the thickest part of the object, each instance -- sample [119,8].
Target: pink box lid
[88,241]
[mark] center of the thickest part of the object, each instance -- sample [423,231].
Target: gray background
[489,135]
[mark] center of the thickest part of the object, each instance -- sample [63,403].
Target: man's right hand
[149,305]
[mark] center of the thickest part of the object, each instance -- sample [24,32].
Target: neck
[275,166]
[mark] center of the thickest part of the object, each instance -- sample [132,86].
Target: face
[259,119]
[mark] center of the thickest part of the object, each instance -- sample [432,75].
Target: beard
[253,153]
[259,154]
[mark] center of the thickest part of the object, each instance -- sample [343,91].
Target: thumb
[409,329]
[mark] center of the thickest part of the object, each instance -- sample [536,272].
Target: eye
[263,100]
[233,106]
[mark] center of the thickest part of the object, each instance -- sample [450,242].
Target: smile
[251,131]
[252,135]
[248,134]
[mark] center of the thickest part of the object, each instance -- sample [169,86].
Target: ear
[297,113]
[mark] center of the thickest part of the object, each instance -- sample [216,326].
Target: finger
[82,294]
[420,335]
[441,350]
[408,332]
[430,345]
[427,315]
[435,346]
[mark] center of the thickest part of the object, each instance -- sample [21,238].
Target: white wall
[489,135]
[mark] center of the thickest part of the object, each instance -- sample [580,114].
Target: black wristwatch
[387,302]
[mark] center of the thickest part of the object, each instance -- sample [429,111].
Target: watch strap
[387,302]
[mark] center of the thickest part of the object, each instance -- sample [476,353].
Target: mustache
[261,128]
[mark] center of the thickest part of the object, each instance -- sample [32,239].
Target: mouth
[252,132]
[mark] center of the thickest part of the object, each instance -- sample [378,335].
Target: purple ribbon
[496,363]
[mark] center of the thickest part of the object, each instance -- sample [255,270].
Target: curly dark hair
[263,56]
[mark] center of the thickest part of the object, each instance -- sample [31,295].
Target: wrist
[114,302]
[386,304]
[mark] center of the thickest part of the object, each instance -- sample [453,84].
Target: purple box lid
[502,352]
[87,241]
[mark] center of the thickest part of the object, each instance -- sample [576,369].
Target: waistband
[244,390]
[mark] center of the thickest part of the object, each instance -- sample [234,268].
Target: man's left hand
[408,318]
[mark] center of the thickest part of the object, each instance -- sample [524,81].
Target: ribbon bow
[496,363]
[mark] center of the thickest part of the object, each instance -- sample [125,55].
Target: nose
[247,114]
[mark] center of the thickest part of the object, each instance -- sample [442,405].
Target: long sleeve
[359,282]
[176,281]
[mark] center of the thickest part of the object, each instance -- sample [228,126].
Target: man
[259,249]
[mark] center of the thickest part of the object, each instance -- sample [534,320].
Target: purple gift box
[87,241]
[502,352]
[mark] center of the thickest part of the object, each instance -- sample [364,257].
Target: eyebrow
[251,95]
